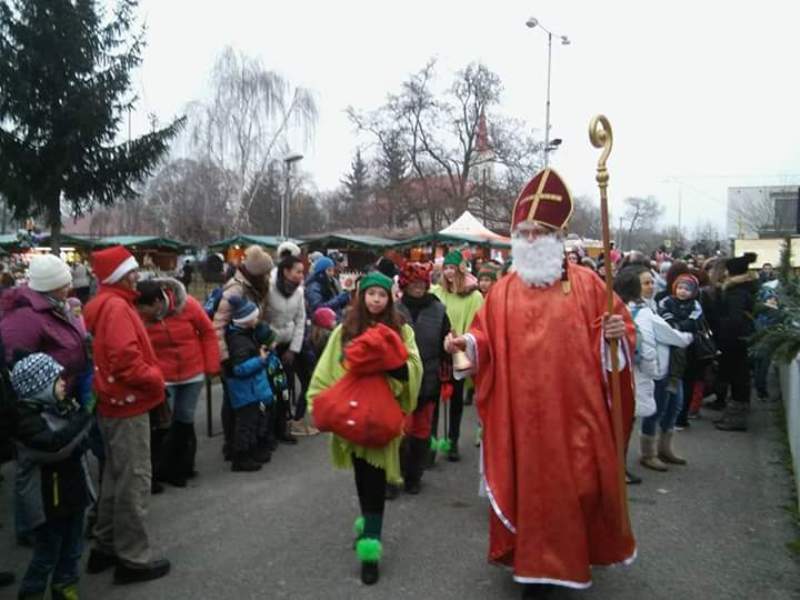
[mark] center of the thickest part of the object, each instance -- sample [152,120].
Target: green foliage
[65,90]
[781,340]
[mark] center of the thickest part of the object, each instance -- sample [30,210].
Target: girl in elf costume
[373,467]
[458,291]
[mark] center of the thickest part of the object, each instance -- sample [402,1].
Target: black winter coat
[53,480]
[735,314]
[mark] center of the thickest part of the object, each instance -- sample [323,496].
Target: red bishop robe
[549,455]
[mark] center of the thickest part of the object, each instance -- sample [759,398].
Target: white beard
[539,262]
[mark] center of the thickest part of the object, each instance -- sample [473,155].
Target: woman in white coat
[628,286]
[286,315]
[656,450]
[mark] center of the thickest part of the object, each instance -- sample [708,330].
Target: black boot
[269,440]
[244,462]
[147,572]
[262,454]
[158,450]
[369,573]
[536,590]
[282,432]
[100,561]
[172,469]
[187,463]
[6,578]
[417,454]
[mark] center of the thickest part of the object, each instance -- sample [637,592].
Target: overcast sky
[702,95]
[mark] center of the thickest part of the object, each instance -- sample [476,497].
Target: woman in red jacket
[185,343]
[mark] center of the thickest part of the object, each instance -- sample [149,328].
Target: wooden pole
[601,137]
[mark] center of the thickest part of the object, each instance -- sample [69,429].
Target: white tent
[468,225]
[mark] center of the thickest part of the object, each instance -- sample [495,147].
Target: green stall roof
[346,240]
[144,241]
[442,238]
[268,241]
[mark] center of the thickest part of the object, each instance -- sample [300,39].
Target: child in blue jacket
[246,381]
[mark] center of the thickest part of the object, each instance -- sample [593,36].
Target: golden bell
[461,362]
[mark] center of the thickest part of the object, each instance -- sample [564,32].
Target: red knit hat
[324,317]
[112,264]
[415,271]
[689,280]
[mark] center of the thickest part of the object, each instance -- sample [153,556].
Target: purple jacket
[30,322]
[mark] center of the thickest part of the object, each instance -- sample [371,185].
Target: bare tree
[750,210]
[641,214]
[706,239]
[189,200]
[248,122]
[439,135]
[586,218]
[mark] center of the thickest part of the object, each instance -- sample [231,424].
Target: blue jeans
[57,549]
[182,400]
[668,405]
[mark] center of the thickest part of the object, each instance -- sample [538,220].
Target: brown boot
[665,452]
[649,459]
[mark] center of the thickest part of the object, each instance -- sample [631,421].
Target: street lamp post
[291,158]
[532,23]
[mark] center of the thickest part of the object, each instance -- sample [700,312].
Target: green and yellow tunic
[330,369]
[461,308]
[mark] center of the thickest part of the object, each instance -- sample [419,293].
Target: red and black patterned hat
[545,200]
[416,271]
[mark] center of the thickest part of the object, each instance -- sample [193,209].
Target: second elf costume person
[373,467]
[458,291]
[428,317]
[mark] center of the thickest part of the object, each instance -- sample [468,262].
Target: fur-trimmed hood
[748,278]
[176,292]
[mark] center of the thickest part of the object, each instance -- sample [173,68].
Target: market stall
[153,253]
[359,251]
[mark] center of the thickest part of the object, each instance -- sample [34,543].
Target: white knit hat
[47,272]
[291,247]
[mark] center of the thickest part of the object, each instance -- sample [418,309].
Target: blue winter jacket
[321,293]
[246,376]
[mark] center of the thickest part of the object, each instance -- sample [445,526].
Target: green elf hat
[375,279]
[454,258]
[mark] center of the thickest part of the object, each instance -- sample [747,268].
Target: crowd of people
[116,369]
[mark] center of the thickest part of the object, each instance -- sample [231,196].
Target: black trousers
[371,486]
[456,410]
[734,369]
[303,371]
[227,415]
[248,419]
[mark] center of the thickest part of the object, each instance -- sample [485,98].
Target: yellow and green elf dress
[330,369]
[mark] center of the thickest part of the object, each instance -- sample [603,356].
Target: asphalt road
[715,529]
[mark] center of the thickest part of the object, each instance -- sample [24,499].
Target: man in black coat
[735,325]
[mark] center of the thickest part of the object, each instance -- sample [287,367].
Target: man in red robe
[541,363]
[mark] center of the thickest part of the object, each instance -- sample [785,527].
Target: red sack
[377,350]
[360,407]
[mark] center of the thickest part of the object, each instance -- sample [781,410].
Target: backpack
[211,303]
[637,356]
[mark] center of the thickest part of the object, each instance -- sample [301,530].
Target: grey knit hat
[34,374]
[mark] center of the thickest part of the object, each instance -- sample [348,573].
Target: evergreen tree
[393,167]
[356,183]
[781,341]
[65,89]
